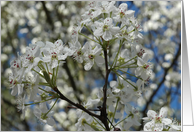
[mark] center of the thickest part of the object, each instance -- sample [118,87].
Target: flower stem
[130,74]
[99,123]
[126,80]
[43,90]
[88,37]
[52,106]
[38,102]
[123,119]
[115,59]
[115,109]
[38,73]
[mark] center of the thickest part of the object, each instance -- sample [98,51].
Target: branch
[103,112]
[77,105]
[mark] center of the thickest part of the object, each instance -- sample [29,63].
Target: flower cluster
[109,26]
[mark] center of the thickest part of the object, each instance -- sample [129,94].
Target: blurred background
[26,22]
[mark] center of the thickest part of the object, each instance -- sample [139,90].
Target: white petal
[140,35]
[114,30]
[54,63]
[98,32]
[138,71]
[113,83]
[148,126]
[140,62]
[36,60]
[46,59]
[14,91]
[50,121]
[62,57]
[127,125]
[97,51]
[146,118]
[145,57]
[158,127]
[163,112]
[20,89]
[166,121]
[117,18]
[108,21]
[36,53]
[37,112]
[139,83]
[128,108]
[40,43]
[88,66]
[135,121]
[129,13]
[99,59]
[151,114]
[144,75]
[175,127]
[51,113]
[49,44]
[125,53]
[107,35]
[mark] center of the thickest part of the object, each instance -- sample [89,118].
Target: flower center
[141,52]
[125,32]
[91,56]
[158,120]
[121,60]
[30,58]
[79,53]
[54,55]
[43,96]
[120,86]
[105,27]
[122,14]
[145,66]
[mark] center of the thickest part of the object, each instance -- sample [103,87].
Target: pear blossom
[123,60]
[42,95]
[175,126]
[16,66]
[78,51]
[31,57]
[32,86]
[119,86]
[105,7]
[54,54]
[133,116]
[85,118]
[156,122]
[136,27]
[40,113]
[106,29]
[123,14]
[92,54]
[15,84]
[143,66]
[110,96]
